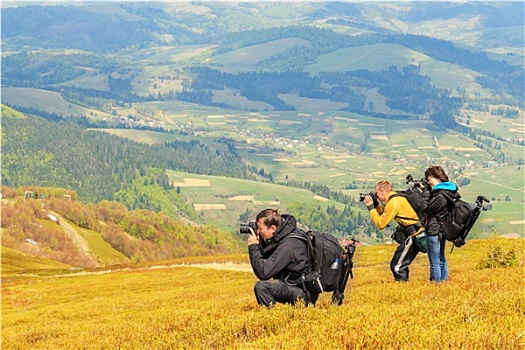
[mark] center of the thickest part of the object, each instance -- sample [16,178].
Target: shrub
[499,257]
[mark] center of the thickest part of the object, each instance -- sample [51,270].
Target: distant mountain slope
[71,50]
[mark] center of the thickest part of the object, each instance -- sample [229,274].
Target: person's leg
[270,292]
[405,253]
[443,261]
[433,252]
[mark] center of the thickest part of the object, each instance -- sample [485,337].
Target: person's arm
[435,204]
[389,212]
[265,269]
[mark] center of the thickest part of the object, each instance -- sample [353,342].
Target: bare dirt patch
[242,198]
[289,122]
[517,222]
[270,203]
[209,207]
[319,198]
[192,183]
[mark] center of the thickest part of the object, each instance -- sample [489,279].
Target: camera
[371,194]
[421,183]
[245,228]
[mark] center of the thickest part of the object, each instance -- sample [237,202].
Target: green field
[48,101]
[247,57]
[379,57]
[223,199]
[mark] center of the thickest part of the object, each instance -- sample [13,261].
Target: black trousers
[405,253]
[270,292]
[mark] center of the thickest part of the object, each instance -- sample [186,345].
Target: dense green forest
[96,164]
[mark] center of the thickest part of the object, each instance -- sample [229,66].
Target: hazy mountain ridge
[136,26]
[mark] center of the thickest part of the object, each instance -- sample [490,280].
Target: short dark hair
[436,172]
[271,217]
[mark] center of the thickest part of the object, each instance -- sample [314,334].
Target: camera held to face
[423,183]
[245,228]
[371,194]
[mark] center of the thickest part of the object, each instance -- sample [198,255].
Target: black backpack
[457,222]
[329,265]
[415,198]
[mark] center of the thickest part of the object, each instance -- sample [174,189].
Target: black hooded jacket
[436,207]
[282,257]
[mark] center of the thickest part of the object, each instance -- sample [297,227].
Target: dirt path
[227,266]
[437,147]
[80,242]
[500,185]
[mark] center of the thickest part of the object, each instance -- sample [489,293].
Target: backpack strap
[451,198]
[400,216]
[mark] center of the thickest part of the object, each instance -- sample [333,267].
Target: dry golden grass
[185,307]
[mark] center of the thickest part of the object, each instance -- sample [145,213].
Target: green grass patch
[246,57]
[48,101]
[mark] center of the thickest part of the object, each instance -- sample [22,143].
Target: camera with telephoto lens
[245,228]
[421,183]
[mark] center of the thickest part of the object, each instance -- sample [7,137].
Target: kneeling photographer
[396,208]
[277,260]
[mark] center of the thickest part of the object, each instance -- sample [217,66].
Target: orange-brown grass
[186,307]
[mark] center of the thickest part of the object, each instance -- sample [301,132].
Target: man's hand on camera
[369,202]
[252,238]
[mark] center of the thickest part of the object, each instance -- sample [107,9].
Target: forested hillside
[101,234]
[98,165]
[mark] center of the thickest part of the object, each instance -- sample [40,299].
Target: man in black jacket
[277,258]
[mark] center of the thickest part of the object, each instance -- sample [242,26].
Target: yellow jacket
[393,209]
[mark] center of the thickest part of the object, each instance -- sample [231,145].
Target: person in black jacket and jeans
[278,259]
[436,208]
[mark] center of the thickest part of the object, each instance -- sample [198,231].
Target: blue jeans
[436,258]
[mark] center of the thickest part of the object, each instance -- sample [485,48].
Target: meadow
[208,303]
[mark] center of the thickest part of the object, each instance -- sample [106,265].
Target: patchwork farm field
[208,303]
[394,150]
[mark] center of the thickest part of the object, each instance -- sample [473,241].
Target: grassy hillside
[55,227]
[209,303]
[15,261]
[48,101]
[379,57]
